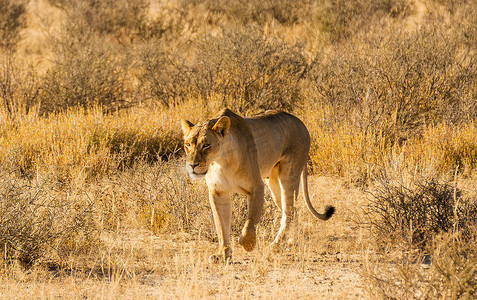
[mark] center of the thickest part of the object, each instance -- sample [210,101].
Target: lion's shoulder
[227,113]
[238,125]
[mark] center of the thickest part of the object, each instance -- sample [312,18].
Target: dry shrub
[427,230]
[164,199]
[260,12]
[11,22]
[340,19]
[443,148]
[420,211]
[123,19]
[237,68]
[337,18]
[244,71]
[454,259]
[342,150]
[19,87]
[86,71]
[399,83]
[163,74]
[173,23]
[127,21]
[385,97]
[43,224]
[105,49]
[448,271]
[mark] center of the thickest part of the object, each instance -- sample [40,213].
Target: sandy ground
[301,274]
[182,272]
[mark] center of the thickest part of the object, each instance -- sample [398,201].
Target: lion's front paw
[247,240]
[224,256]
[219,259]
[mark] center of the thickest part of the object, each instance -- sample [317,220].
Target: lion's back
[278,135]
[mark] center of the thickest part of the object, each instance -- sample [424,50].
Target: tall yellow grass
[346,151]
[82,144]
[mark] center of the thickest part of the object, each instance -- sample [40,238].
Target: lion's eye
[206,146]
[187,145]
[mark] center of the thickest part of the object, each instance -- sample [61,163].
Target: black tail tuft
[329,211]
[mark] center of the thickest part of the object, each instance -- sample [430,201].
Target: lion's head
[202,143]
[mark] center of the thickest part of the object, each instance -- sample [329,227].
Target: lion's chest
[222,179]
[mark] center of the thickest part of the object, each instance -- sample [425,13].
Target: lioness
[235,153]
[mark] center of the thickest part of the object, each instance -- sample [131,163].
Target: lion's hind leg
[274,186]
[289,184]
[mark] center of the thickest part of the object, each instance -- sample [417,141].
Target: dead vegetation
[90,169]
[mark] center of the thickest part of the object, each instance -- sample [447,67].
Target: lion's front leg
[248,238]
[222,212]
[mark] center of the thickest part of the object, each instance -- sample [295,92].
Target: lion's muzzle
[196,170]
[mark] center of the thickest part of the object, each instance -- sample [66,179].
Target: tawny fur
[234,154]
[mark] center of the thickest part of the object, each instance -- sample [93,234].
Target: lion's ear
[222,126]
[186,126]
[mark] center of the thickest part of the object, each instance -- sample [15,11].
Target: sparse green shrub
[11,21]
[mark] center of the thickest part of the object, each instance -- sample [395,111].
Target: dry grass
[81,144]
[419,210]
[132,262]
[94,200]
[41,223]
[447,271]
[341,150]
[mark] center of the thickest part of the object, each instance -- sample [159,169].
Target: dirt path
[258,275]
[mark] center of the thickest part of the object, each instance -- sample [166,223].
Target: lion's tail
[329,210]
